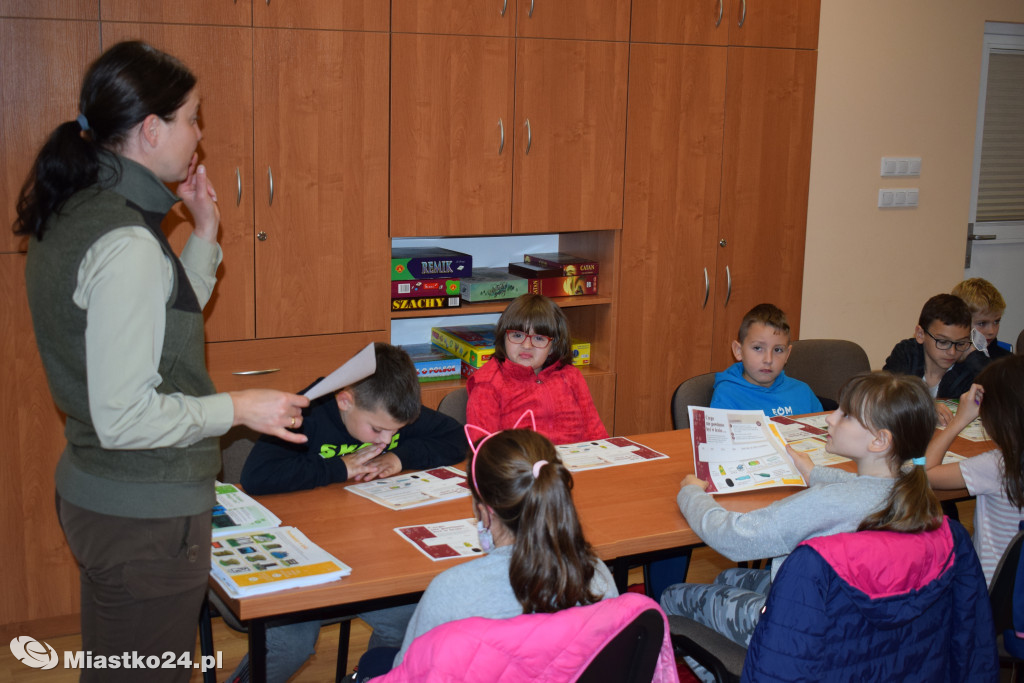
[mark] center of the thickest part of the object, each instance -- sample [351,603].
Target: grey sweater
[835,502]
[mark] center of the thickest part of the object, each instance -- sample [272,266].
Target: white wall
[894,79]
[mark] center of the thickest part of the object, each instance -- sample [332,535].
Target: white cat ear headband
[526,420]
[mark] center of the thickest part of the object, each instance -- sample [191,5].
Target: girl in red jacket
[532,370]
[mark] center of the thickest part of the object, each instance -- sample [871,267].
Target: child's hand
[387,464]
[801,460]
[360,464]
[944,414]
[693,480]
[970,405]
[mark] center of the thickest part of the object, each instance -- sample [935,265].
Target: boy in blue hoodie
[757,381]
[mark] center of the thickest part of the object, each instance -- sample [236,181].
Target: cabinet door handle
[270,181]
[721,10]
[529,136]
[728,286]
[530,13]
[504,7]
[257,372]
[707,289]
[743,12]
[238,182]
[501,140]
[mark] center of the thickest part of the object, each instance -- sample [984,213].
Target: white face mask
[486,539]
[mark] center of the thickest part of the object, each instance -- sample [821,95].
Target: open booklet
[253,554]
[413,489]
[616,450]
[444,540]
[739,450]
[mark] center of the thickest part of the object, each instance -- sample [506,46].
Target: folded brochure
[404,491]
[444,540]
[252,554]
[617,450]
[739,450]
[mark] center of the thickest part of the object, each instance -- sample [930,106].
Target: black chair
[1019,348]
[631,656]
[235,448]
[454,404]
[826,365]
[1000,594]
[695,391]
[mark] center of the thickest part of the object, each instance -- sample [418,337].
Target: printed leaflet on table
[972,432]
[252,554]
[444,540]
[807,435]
[738,450]
[617,450]
[404,491]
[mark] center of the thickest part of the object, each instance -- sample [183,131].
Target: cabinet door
[670,227]
[578,19]
[451,135]
[50,9]
[356,15]
[221,58]
[37,95]
[570,135]
[774,23]
[322,137]
[220,12]
[704,22]
[40,576]
[462,17]
[765,177]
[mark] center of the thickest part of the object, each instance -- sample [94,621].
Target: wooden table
[629,515]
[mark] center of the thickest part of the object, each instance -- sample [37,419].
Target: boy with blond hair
[987,306]
[757,380]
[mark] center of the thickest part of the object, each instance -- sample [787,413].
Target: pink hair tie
[536,467]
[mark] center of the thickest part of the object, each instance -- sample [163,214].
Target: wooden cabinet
[354,15]
[36,95]
[49,9]
[757,23]
[577,19]
[707,245]
[41,578]
[217,12]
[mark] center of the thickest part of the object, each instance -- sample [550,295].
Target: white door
[995,241]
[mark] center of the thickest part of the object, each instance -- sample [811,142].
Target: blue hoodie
[786,396]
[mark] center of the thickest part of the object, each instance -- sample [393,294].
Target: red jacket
[501,391]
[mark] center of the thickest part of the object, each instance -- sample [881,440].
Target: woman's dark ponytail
[122,87]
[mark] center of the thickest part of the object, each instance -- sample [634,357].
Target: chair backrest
[454,404]
[826,364]
[235,446]
[695,391]
[1019,348]
[631,656]
[1004,585]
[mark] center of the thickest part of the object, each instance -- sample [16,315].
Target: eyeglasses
[944,344]
[539,341]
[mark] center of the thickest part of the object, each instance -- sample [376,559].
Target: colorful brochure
[807,434]
[617,450]
[444,540]
[972,432]
[236,512]
[404,491]
[269,560]
[738,450]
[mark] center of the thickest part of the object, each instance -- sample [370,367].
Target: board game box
[408,289]
[429,263]
[432,364]
[569,264]
[530,270]
[492,284]
[472,343]
[576,285]
[423,303]
[580,352]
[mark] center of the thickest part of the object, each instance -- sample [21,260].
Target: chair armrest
[716,653]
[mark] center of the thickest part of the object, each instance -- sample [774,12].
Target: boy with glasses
[940,350]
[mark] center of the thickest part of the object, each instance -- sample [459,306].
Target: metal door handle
[270,181]
[530,14]
[238,182]
[728,286]
[707,289]
[981,238]
[504,7]
[743,12]
[529,135]
[501,141]
[721,10]
[257,372]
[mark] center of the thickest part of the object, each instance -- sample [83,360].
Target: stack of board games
[473,344]
[493,284]
[432,363]
[424,278]
[557,274]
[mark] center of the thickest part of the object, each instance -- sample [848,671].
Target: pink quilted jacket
[532,647]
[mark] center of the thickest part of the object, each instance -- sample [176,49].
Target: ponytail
[552,564]
[127,83]
[902,406]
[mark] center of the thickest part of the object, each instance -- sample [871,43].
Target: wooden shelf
[499,306]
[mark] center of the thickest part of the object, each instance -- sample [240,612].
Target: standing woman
[118,318]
